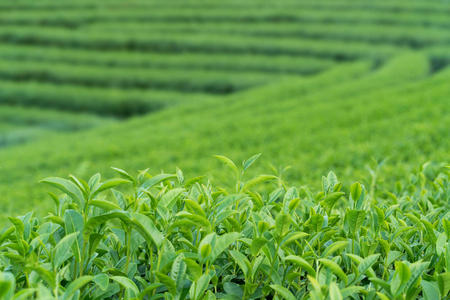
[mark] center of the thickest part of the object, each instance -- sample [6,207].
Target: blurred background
[134,84]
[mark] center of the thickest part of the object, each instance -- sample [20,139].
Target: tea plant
[173,238]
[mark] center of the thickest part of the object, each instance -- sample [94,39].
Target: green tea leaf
[242,261]
[284,292]
[335,293]
[67,187]
[443,281]
[7,284]
[335,268]
[74,222]
[302,263]
[257,244]
[167,281]
[230,164]
[75,286]
[256,181]
[282,224]
[250,161]
[60,253]
[430,290]
[109,184]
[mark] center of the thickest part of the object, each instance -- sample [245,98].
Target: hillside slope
[336,120]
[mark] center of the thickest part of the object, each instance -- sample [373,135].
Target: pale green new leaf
[128,284]
[284,292]
[335,268]
[335,293]
[7,283]
[430,291]
[242,261]
[230,164]
[74,222]
[256,181]
[282,224]
[60,252]
[302,263]
[75,286]
[336,246]
[67,187]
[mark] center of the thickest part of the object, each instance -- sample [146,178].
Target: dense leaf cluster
[173,238]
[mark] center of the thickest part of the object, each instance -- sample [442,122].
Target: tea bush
[178,238]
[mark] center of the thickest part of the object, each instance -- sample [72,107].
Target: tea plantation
[359,88]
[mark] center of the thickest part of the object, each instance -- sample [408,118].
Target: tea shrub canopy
[360,88]
[177,238]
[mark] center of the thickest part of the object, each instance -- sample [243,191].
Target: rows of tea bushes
[345,5]
[172,237]
[204,43]
[50,119]
[304,65]
[19,124]
[414,36]
[313,123]
[108,102]
[74,18]
[183,80]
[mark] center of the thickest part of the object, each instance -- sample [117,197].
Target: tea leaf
[67,187]
[335,268]
[230,164]
[285,293]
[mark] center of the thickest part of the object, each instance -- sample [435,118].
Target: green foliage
[167,240]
